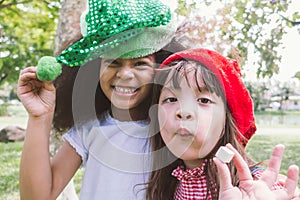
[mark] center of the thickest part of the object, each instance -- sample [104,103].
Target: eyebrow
[196,83]
[147,58]
[196,90]
[167,89]
[110,60]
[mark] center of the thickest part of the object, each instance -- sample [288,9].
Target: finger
[243,170]
[269,176]
[224,175]
[28,69]
[49,86]
[292,180]
[26,76]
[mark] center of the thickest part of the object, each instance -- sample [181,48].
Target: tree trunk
[68,31]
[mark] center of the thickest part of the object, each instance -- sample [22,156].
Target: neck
[191,164]
[134,114]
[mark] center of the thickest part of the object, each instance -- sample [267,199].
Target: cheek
[162,116]
[105,74]
[103,71]
[104,84]
[210,128]
[219,121]
[165,136]
[217,125]
[216,128]
[146,76]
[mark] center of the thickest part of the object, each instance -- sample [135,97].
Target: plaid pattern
[193,185]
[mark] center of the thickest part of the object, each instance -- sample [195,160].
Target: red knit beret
[228,73]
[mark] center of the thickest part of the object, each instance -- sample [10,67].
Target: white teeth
[125,90]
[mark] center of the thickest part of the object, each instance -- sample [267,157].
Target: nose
[125,72]
[184,115]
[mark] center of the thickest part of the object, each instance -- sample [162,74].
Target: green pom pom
[48,69]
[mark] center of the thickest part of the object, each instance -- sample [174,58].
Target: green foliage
[257,92]
[263,27]
[27,33]
[263,91]
[183,8]
[297,75]
[256,26]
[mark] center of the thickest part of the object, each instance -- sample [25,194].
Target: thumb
[224,175]
[227,191]
[49,86]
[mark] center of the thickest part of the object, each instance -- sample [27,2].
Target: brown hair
[162,185]
[64,113]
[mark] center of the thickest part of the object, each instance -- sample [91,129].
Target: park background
[263,35]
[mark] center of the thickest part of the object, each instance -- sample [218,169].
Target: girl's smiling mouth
[125,90]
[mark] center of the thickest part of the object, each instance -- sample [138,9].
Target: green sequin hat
[121,28]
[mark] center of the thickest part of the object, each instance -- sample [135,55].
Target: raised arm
[41,177]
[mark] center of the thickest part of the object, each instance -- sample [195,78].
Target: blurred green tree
[240,27]
[297,75]
[27,31]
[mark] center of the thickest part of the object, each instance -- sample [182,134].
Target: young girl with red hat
[202,104]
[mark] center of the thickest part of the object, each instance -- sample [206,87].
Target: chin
[123,104]
[182,154]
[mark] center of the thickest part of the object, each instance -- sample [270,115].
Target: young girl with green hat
[202,104]
[108,119]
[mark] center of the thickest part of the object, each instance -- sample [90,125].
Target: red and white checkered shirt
[193,186]
[192,183]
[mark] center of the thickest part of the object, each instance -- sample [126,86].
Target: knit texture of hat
[228,74]
[121,28]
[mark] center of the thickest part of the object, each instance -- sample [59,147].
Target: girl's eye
[169,100]
[142,65]
[111,63]
[139,63]
[204,100]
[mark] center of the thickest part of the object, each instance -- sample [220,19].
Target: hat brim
[132,43]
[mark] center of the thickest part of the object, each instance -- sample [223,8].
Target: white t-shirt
[115,157]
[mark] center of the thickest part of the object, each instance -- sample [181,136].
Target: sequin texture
[112,23]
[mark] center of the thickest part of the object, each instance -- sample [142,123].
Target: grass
[283,112]
[9,170]
[261,147]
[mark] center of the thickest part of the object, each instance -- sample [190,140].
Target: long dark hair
[65,98]
[162,185]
